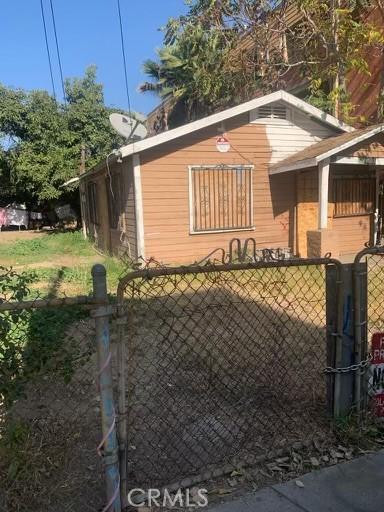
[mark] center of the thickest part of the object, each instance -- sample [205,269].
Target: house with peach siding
[275,169]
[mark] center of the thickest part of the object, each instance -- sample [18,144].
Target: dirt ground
[57,465]
[223,369]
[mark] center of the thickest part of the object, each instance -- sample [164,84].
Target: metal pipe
[122,423]
[108,417]
[194,269]
[339,339]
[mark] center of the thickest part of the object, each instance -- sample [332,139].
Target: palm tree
[191,70]
[167,74]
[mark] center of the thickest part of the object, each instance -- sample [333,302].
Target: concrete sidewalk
[355,486]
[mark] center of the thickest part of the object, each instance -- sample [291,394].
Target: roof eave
[168,136]
[312,162]
[111,159]
[296,166]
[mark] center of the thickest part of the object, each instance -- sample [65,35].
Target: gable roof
[156,140]
[325,149]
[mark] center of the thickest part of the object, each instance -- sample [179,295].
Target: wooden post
[323,193]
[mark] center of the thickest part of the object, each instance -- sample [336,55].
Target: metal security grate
[353,196]
[221,198]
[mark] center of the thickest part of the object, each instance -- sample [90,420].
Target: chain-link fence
[217,367]
[49,406]
[369,323]
[223,366]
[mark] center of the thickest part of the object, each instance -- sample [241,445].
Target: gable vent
[272,112]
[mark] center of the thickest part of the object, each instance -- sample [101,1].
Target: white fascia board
[315,112]
[140,241]
[354,160]
[357,160]
[350,143]
[156,140]
[295,166]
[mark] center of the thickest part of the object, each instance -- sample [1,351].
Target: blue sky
[88,33]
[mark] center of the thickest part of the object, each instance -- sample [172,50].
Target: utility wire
[58,51]
[124,57]
[47,46]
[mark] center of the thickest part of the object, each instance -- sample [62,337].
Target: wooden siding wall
[122,239]
[126,242]
[351,232]
[99,233]
[287,137]
[165,188]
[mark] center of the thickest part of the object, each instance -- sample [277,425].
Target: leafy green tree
[87,119]
[42,140]
[39,155]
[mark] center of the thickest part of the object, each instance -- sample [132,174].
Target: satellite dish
[129,127]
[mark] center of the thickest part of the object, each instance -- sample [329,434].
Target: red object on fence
[377,373]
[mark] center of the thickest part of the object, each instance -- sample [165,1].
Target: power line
[47,46]
[57,50]
[124,57]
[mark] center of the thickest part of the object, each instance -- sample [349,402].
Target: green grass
[77,279]
[48,246]
[47,258]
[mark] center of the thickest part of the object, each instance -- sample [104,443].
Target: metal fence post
[361,327]
[108,416]
[122,425]
[340,338]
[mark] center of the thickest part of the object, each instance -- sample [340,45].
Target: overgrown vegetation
[222,53]
[366,434]
[31,341]
[46,374]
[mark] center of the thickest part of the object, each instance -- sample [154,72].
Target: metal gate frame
[333,340]
[361,319]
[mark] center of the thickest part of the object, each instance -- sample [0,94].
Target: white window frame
[191,199]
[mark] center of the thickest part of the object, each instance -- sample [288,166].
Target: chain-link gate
[369,320]
[220,366]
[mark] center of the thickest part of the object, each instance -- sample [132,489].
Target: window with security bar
[353,196]
[221,198]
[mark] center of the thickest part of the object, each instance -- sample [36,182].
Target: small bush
[32,342]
